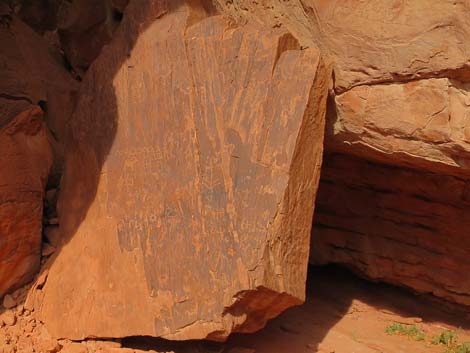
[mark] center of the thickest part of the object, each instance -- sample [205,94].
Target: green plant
[449,339]
[463,348]
[410,331]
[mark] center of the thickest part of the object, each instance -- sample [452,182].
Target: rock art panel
[25,161]
[190,180]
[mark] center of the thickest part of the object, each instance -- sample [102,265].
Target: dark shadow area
[393,224]
[92,129]
[331,292]
[94,124]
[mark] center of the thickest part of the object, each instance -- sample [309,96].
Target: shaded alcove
[396,225]
[342,312]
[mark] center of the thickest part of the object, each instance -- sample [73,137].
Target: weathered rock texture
[374,41]
[400,98]
[394,224]
[190,179]
[80,28]
[194,154]
[423,124]
[85,26]
[25,159]
[25,150]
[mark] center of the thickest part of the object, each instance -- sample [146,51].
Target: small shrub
[463,348]
[410,331]
[447,338]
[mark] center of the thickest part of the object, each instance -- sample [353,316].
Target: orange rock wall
[394,224]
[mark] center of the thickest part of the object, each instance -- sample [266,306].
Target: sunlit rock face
[190,179]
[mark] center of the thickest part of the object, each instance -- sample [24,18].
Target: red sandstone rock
[85,26]
[190,180]
[372,42]
[396,225]
[25,151]
[422,124]
[400,97]
[25,159]
[383,41]
[8,302]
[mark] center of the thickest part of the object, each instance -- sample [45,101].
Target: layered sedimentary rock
[28,76]
[25,159]
[383,41]
[423,124]
[373,41]
[400,98]
[393,224]
[190,179]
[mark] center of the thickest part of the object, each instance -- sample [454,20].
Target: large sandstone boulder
[190,180]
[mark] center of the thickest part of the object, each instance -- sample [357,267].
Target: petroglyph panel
[215,144]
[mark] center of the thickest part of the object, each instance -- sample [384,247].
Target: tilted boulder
[190,180]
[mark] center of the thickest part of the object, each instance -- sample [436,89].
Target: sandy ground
[342,314]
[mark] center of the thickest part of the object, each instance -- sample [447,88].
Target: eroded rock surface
[374,41]
[422,124]
[396,225]
[85,26]
[25,160]
[190,180]
[29,76]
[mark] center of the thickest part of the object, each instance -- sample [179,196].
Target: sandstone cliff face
[373,42]
[399,97]
[188,202]
[193,155]
[400,100]
[394,224]
[423,124]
